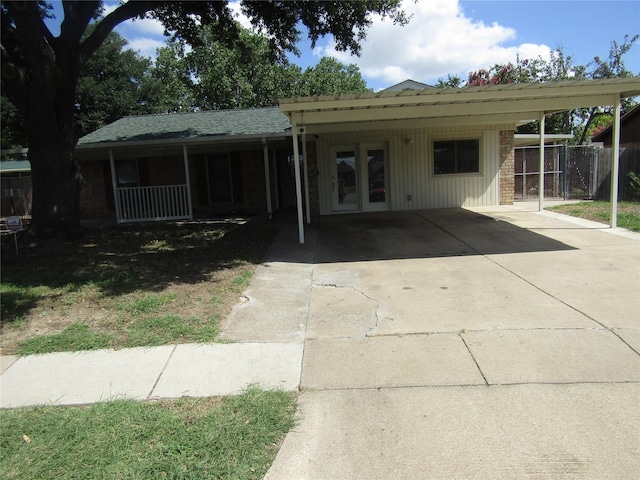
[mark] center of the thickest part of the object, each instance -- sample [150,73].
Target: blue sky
[458,36]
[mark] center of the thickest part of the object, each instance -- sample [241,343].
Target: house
[407,85]
[160,167]
[629,131]
[398,149]
[15,184]
[629,155]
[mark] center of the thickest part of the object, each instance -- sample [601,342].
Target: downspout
[541,166]
[306,175]
[188,180]
[267,177]
[296,169]
[114,185]
[615,163]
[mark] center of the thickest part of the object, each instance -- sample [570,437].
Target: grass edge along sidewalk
[235,437]
[600,211]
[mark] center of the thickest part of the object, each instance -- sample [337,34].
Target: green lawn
[600,211]
[211,438]
[126,286]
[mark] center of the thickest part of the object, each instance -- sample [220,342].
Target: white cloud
[146,47]
[439,40]
[146,26]
[239,16]
[142,35]
[146,35]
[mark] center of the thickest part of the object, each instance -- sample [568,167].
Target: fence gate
[568,172]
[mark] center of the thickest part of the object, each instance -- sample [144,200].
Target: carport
[505,105]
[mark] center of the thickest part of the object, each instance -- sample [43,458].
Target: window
[456,156]
[127,173]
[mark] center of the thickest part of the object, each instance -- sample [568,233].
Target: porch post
[267,177]
[306,175]
[186,174]
[296,169]
[541,166]
[615,163]
[114,185]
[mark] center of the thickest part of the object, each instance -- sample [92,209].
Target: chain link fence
[573,172]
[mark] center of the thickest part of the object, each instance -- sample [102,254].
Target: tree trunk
[55,174]
[56,187]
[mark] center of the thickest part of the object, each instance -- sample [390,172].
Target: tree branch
[125,12]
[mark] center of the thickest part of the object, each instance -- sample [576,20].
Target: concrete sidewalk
[488,343]
[169,371]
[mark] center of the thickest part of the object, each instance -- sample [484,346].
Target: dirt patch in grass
[600,211]
[125,286]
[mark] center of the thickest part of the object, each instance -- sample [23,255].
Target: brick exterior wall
[167,170]
[93,196]
[253,181]
[96,198]
[507,167]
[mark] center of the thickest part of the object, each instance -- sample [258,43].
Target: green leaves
[214,75]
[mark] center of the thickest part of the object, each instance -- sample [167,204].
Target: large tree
[113,68]
[581,121]
[215,76]
[40,71]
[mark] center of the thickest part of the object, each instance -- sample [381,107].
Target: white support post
[541,166]
[188,180]
[615,163]
[114,184]
[306,175]
[296,169]
[267,176]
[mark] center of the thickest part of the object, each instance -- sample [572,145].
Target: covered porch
[173,167]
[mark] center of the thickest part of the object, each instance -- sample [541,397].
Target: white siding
[411,167]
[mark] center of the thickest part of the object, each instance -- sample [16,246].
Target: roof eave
[211,139]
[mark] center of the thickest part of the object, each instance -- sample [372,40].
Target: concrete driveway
[493,343]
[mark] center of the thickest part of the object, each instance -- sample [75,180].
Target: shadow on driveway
[423,234]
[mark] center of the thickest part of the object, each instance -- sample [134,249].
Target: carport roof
[513,103]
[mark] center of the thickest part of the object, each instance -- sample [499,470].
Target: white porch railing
[140,204]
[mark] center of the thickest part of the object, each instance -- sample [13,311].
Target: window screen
[456,156]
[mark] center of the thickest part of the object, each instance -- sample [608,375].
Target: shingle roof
[193,125]
[9,166]
[408,84]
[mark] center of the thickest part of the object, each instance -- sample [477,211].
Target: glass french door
[344,180]
[376,179]
[359,178]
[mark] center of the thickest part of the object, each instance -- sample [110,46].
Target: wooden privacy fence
[573,172]
[139,204]
[629,162]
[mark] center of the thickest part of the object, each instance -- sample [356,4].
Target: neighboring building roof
[251,122]
[15,166]
[407,85]
[605,134]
